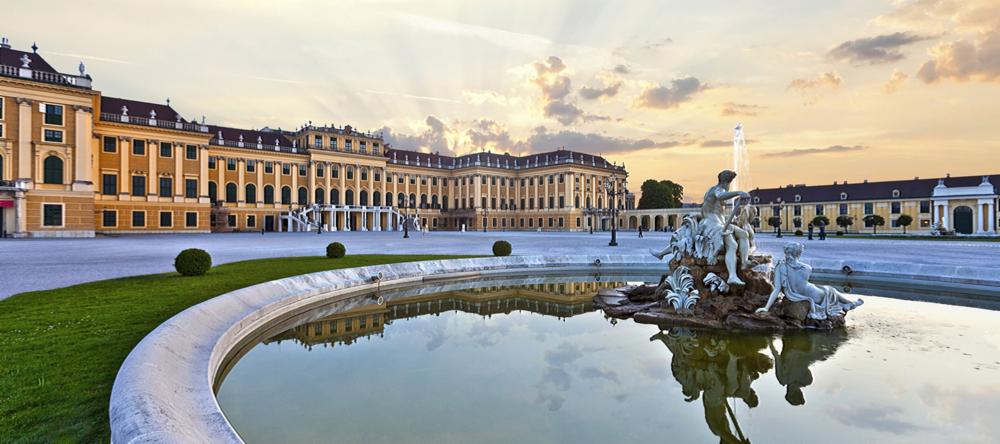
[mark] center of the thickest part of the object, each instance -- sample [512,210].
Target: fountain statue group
[754,295]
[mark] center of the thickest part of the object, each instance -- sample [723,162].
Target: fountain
[741,161]
[753,295]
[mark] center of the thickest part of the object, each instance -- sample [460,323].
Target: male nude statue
[715,222]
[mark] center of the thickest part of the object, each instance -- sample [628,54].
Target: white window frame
[44,108]
[2,107]
[2,127]
[159,219]
[46,140]
[131,219]
[196,219]
[102,218]
[62,214]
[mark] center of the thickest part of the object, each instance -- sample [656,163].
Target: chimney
[947,175]
[866,180]
[4,43]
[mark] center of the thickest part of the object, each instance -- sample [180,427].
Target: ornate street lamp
[609,185]
[486,217]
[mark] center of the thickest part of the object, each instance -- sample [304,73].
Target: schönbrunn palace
[74,162]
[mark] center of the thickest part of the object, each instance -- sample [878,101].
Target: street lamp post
[609,185]
[486,217]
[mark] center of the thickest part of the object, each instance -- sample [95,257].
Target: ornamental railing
[157,123]
[45,77]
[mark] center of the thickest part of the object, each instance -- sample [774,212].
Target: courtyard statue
[715,279]
[791,278]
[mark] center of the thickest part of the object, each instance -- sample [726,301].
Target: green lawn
[60,349]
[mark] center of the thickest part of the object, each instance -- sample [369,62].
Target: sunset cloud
[810,151]
[666,97]
[543,140]
[598,93]
[895,80]
[874,50]
[823,80]
[732,109]
[964,60]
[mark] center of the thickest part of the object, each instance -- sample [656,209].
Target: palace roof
[908,189]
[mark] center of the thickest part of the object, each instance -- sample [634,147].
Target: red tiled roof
[12,57]
[908,189]
[249,136]
[138,109]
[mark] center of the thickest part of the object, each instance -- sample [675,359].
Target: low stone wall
[164,389]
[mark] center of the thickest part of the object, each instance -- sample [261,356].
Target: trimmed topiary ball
[193,262]
[840,233]
[335,250]
[501,248]
[798,232]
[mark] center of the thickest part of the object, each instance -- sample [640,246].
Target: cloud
[551,401]
[666,97]
[550,80]
[716,143]
[563,354]
[486,96]
[489,135]
[895,80]
[827,79]
[598,93]
[885,418]
[622,69]
[964,60]
[564,113]
[596,373]
[733,109]
[652,45]
[940,15]
[810,151]
[389,93]
[591,143]
[433,139]
[874,50]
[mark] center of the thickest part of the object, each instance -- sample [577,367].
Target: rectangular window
[231,164]
[286,169]
[925,206]
[333,143]
[896,207]
[347,145]
[268,167]
[843,209]
[318,141]
[109,218]
[138,147]
[362,148]
[52,215]
[166,187]
[138,185]
[320,170]
[191,219]
[302,170]
[109,144]
[797,210]
[191,152]
[1,124]
[138,219]
[251,221]
[109,184]
[869,208]
[364,174]
[212,163]
[413,180]
[53,114]
[378,175]
[231,220]
[55,136]
[191,188]
[166,149]
[819,210]
[166,219]
[251,166]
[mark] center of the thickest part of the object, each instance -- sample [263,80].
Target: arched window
[251,191]
[349,197]
[268,194]
[286,195]
[388,200]
[363,198]
[423,201]
[1,167]
[377,199]
[434,201]
[401,200]
[53,170]
[334,196]
[444,203]
[320,196]
[231,192]
[213,192]
[413,200]
[303,196]
[588,201]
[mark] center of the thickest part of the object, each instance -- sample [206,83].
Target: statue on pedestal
[791,278]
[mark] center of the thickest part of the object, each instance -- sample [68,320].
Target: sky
[826,90]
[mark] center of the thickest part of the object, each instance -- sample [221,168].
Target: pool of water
[530,361]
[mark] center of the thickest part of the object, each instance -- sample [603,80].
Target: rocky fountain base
[695,295]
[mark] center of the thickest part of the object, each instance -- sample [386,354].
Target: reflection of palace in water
[562,300]
[717,367]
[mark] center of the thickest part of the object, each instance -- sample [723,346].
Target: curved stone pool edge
[164,390]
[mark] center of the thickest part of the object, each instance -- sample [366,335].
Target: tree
[874,221]
[845,221]
[820,220]
[660,194]
[774,221]
[904,220]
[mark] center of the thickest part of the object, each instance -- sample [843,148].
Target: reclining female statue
[791,277]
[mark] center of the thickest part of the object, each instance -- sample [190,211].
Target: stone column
[328,171]
[83,179]
[220,186]
[478,187]
[259,168]
[20,215]
[24,170]
[203,174]
[295,183]
[241,196]
[979,218]
[993,216]
[311,177]
[277,184]
[125,179]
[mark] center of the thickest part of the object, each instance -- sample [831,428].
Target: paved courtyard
[38,264]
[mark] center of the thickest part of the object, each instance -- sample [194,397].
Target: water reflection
[717,367]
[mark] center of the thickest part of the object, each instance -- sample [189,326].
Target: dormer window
[756,199]
[895,193]
[798,198]
[843,196]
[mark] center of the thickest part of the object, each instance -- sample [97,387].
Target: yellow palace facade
[75,163]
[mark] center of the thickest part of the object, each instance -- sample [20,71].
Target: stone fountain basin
[164,389]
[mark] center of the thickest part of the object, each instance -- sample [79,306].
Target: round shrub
[840,233]
[501,248]
[798,232]
[335,250]
[193,262]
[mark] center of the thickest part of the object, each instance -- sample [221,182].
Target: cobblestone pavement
[38,264]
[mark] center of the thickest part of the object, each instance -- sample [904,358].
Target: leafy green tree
[875,221]
[820,220]
[904,220]
[774,222]
[660,194]
[845,221]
